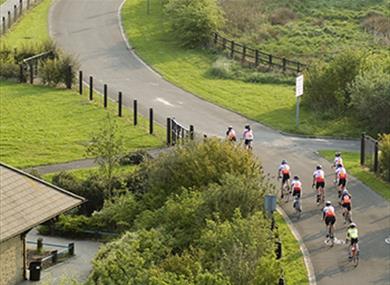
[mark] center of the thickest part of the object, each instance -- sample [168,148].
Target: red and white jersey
[328,211]
[296,185]
[341,173]
[231,135]
[284,168]
[319,175]
[338,160]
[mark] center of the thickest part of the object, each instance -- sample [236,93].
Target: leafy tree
[384,157]
[194,21]
[107,146]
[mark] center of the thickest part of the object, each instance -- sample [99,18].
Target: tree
[107,146]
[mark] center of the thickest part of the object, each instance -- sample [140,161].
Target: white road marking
[165,102]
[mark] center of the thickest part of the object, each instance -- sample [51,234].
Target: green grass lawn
[84,173]
[42,125]
[271,104]
[292,258]
[31,29]
[352,164]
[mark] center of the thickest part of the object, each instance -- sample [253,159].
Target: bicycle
[347,216]
[320,195]
[297,206]
[285,191]
[354,254]
[330,235]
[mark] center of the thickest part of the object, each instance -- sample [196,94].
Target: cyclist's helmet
[296,178]
[328,203]
[345,191]
[337,154]
[230,127]
[284,161]
[319,167]
[247,127]
[352,225]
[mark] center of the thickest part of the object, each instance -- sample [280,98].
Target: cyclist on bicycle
[284,173]
[341,176]
[337,160]
[329,216]
[231,134]
[352,236]
[296,187]
[346,202]
[319,182]
[248,137]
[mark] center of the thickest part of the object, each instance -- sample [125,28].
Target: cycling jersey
[319,175]
[248,134]
[284,169]
[352,233]
[341,173]
[296,185]
[338,160]
[231,135]
[346,199]
[328,211]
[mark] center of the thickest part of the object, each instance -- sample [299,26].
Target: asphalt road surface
[90,30]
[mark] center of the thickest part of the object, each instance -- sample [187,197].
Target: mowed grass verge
[352,164]
[271,104]
[43,125]
[32,28]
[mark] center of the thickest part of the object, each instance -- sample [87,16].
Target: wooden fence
[255,57]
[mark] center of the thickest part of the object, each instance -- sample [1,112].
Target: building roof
[26,201]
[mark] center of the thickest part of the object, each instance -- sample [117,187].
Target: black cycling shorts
[285,177]
[342,182]
[297,193]
[354,241]
[347,206]
[330,220]
[320,184]
[247,142]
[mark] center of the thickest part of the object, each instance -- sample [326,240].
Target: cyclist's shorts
[354,240]
[342,182]
[297,193]
[330,220]
[320,184]
[247,142]
[347,206]
[285,177]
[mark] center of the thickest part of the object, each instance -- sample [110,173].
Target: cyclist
[341,176]
[337,160]
[296,187]
[319,182]
[346,203]
[231,134]
[284,173]
[352,236]
[248,137]
[329,216]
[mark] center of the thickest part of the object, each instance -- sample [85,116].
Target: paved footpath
[90,30]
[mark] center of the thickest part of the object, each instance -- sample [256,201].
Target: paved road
[74,268]
[90,29]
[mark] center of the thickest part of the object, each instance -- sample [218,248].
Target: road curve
[90,30]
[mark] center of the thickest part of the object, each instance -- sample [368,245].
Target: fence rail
[30,65]
[177,133]
[255,57]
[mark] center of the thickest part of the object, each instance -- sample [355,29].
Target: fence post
[169,131]
[298,67]
[15,13]
[81,82]
[31,66]
[362,149]
[215,39]
[105,96]
[3,23]
[135,112]
[9,19]
[54,256]
[120,104]
[256,57]
[284,62]
[151,121]
[21,73]
[20,7]
[69,77]
[71,248]
[39,245]
[270,59]
[243,53]
[232,50]
[191,132]
[223,43]
[90,88]
[376,150]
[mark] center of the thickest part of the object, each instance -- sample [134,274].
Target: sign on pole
[298,94]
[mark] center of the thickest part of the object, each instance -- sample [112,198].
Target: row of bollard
[11,19]
[120,101]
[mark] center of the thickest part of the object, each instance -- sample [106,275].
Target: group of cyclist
[247,136]
[328,212]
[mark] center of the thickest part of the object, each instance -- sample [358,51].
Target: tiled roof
[26,201]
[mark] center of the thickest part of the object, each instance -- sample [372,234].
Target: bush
[54,71]
[193,22]
[8,69]
[134,158]
[282,16]
[136,182]
[384,158]
[371,99]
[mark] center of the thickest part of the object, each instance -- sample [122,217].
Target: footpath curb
[306,257]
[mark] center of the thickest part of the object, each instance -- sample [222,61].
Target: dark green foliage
[193,22]
[384,158]
[136,182]
[134,158]
[53,71]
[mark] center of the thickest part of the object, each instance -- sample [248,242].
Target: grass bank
[31,29]
[352,164]
[42,125]
[271,104]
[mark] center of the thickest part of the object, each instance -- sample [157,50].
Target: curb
[306,257]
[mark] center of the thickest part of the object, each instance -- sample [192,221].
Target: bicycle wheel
[355,259]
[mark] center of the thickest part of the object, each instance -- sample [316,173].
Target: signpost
[298,94]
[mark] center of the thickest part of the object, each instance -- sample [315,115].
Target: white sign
[299,86]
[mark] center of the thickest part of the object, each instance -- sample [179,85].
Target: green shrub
[8,69]
[134,158]
[54,71]
[371,99]
[193,22]
[71,225]
[282,16]
[223,68]
[384,158]
[136,182]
